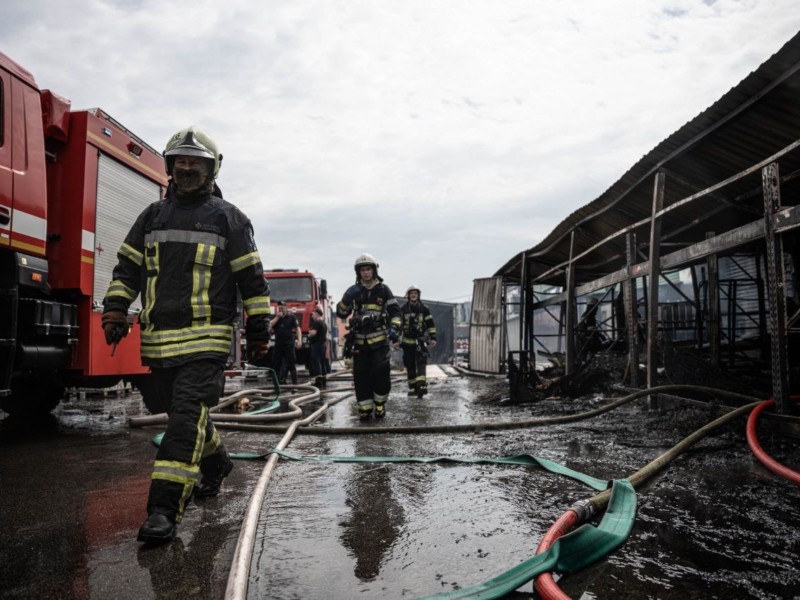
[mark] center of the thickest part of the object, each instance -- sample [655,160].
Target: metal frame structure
[723,186]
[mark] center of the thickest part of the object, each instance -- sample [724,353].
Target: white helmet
[413,288]
[364,260]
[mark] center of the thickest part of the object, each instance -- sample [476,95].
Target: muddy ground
[714,524]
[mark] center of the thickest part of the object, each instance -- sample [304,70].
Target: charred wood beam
[665,210]
[725,202]
[785,219]
[673,234]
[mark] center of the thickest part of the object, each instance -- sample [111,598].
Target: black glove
[393,335]
[115,326]
[256,350]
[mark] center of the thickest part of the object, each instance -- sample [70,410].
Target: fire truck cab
[71,185]
[302,292]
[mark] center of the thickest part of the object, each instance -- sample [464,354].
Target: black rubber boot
[380,411]
[214,468]
[157,529]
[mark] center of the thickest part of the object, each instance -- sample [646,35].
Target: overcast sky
[441,136]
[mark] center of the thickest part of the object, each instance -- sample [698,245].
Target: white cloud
[443,137]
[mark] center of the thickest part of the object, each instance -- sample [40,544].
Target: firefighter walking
[187,255]
[375,322]
[418,332]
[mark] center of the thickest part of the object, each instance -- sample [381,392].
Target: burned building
[693,250]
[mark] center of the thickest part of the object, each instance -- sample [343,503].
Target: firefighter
[418,333]
[374,324]
[187,255]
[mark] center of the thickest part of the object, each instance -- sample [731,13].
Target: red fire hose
[764,458]
[546,586]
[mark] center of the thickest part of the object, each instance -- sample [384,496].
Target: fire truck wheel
[32,399]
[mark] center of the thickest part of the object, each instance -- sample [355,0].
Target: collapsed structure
[694,246]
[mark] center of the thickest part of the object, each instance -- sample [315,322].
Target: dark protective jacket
[374,310]
[417,321]
[187,259]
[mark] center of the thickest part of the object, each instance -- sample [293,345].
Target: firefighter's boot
[365,410]
[214,468]
[157,529]
[412,389]
[422,388]
[380,405]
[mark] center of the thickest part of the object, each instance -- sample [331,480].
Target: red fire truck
[71,185]
[302,292]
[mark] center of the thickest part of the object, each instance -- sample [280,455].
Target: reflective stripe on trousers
[188,390]
[372,376]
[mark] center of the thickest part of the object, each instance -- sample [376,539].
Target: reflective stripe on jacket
[187,260]
[417,321]
[375,306]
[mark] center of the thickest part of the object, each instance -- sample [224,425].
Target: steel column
[631,313]
[571,310]
[776,294]
[655,271]
[712,303]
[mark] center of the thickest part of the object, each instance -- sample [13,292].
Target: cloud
[443,137]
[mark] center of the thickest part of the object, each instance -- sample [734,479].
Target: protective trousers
[317,355]
[372,377]
[415,361]
[188,390]
[285,362]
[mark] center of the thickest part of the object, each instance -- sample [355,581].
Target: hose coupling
[585,509]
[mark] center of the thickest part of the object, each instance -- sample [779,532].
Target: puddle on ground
[713,525]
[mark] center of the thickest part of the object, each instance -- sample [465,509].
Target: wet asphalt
[715,524]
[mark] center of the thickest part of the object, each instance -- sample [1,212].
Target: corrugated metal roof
[753,121]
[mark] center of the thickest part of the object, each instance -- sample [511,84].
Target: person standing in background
[317,338]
